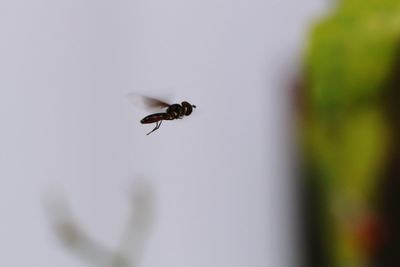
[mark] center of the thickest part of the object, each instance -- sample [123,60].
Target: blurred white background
[220,177]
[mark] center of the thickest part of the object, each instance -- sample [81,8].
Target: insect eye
[187,107]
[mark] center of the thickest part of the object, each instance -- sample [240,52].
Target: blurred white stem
[129,253]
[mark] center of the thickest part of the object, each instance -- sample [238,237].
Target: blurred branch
[139,225]
[135,234]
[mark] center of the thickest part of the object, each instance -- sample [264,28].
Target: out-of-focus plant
[349,131]
[133,238]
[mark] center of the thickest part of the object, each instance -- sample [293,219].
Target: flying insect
[172,112]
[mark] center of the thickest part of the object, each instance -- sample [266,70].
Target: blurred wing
[147,102]
[154,103]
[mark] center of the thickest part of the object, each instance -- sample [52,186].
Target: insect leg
[158,123]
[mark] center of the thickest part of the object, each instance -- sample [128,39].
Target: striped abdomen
[156,117]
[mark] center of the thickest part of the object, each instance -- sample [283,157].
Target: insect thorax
[175,110]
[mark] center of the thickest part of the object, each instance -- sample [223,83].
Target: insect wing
[146,102]
[154,103]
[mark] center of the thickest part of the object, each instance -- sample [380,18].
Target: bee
[172,112]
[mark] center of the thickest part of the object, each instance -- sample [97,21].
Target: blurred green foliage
[346,133]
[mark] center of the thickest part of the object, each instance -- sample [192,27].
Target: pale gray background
[221,176]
